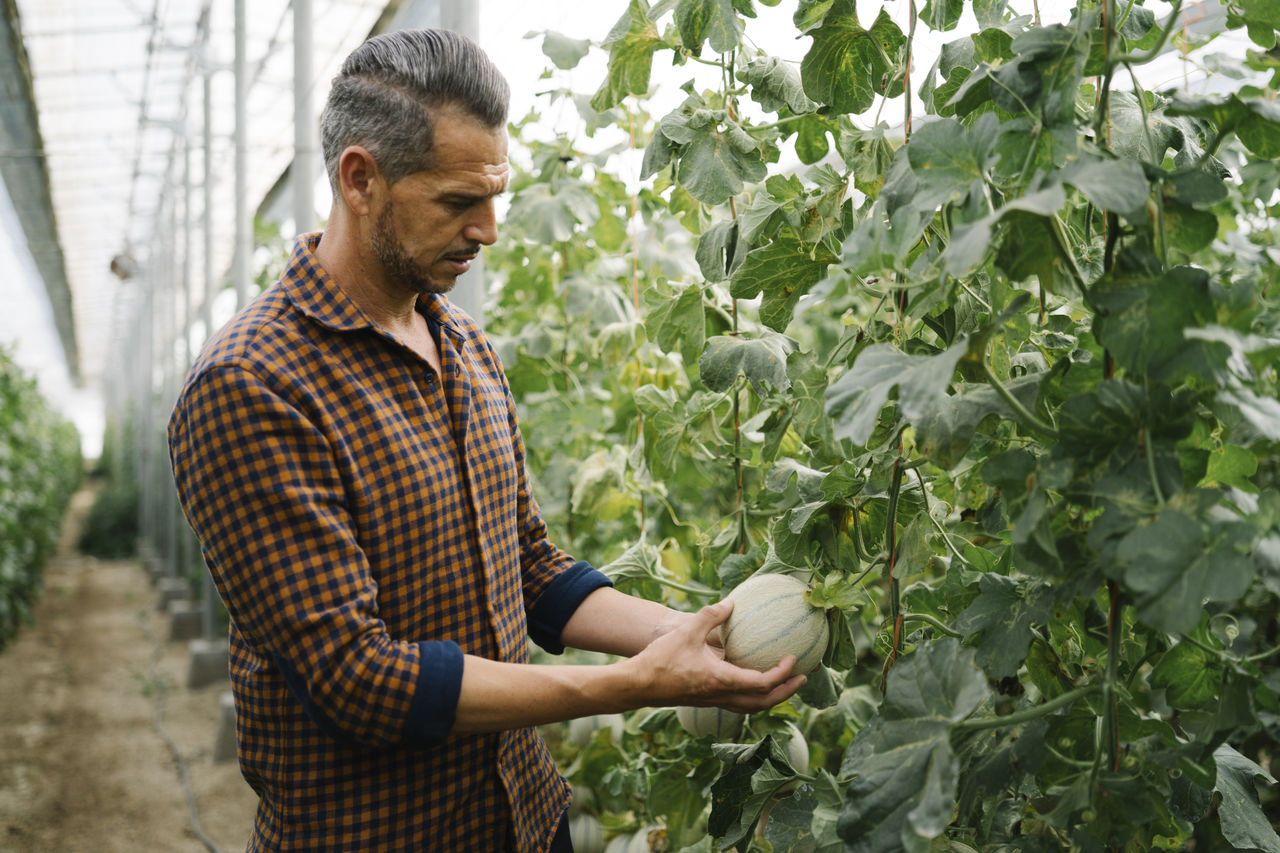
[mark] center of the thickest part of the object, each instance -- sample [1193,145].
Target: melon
[721,724]
[649,839]
[770,620]
[618,844]
[587,834]
[582,730]
[583,798]
[797,749]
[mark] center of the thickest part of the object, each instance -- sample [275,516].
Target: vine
[1048,297]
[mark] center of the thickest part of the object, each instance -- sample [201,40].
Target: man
[347,451]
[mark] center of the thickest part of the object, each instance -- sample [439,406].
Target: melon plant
[772,618]
[968,311]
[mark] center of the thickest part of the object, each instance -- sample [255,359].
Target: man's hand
[685,665]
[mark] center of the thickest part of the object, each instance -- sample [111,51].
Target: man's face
[434,222]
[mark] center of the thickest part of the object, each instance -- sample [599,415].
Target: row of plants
[40,468]
[991,365]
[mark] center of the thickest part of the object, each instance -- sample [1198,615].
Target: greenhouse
[640,427]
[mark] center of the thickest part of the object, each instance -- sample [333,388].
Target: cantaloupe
[587,834]
[582,729]
[619,844]
[648,839]
[721,724]
[797,749]
[771,620]
[583,798]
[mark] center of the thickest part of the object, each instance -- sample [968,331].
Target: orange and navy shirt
[367,523]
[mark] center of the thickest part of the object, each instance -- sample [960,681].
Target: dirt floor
[84,765]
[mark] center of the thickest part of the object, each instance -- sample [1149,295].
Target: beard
[396,263]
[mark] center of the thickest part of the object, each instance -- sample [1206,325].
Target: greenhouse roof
[98,99]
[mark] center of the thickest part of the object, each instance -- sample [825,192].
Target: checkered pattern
[358,516]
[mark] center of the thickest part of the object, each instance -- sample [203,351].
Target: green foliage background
[40,467]
[998,377]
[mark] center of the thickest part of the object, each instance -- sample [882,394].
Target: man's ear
[360,180]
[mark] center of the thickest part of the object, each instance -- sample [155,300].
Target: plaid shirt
[367,524]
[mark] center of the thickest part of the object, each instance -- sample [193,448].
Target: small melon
[587,834]
[797,750]
[583,798]
[619,844]
[582,730]
[650,839]
[771,620]
[721,724]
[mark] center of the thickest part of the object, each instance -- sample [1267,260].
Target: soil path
[83,765]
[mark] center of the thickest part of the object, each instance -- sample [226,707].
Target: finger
[750,704]
[712,616]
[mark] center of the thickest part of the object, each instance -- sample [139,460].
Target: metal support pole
[206,225]
[303,174]
[243,235]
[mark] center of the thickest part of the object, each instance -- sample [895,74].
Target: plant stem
[932,623]
[1151,468]
[946,536]
[692,590]
[906,71]
[895,591]
[1027,714]
[1111,703]
[1019,410]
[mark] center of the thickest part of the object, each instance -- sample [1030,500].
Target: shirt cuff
[563,595]
[435,701]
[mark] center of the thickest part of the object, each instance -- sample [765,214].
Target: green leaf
[775,83]
[1189,674]
[1244,824]
[631,43]
[715,21]
[640,561]
[780,272]
[1143,315]
[1261,413]
[950,159]
[677,318]
[1174,565]
[809,13]
[552,214]
[720,251]
[753,774]
[565,53]
[903,787]
[1116,185]
[942,15]
[868,153]
[970,242]
[811,138]
[1045,77]
[717,163]
[855,399]
[847,66]
[1256,121]
[1147,133]
[1231,465]
[762,360]
[945,433]
[1002,618]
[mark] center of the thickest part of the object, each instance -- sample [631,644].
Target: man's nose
[483,224]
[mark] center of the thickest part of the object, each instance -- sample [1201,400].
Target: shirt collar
[314,292]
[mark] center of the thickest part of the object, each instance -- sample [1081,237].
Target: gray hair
[383,98]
